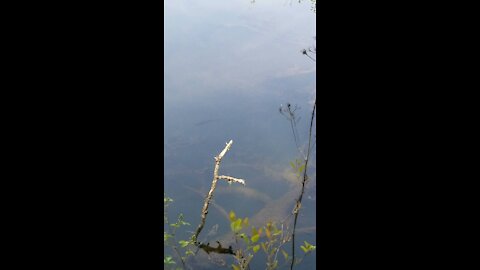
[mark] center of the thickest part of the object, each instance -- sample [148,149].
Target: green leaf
[235,267]
[166,199]
[166,236]
[309,246]
[168,260]
[300,169]
[183,243]
[245,221]
[292,164]
[276,231]
[184,223]
[255,238]
[256,248]
[267,232]
[232,216]
[244,237]
[264,247]
[236,225]
[285,254]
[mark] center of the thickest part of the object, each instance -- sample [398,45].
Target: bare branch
[232,179]
[216,177]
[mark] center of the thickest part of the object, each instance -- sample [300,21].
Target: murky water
[228,67]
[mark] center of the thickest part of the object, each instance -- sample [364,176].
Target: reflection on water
[228,67]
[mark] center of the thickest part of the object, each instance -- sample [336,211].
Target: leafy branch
[169,235]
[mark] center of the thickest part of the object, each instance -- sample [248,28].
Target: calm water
[228,67]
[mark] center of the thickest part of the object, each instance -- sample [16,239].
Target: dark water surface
[228,67]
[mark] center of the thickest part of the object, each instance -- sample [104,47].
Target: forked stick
[216,177]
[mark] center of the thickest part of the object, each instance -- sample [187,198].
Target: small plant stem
[299,201]
[179,256]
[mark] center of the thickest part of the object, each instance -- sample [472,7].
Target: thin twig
[282,242]
[289,113]
[232,179]
[305,53]
[179,256]
[299,201]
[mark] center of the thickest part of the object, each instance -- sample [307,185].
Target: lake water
[229,65]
